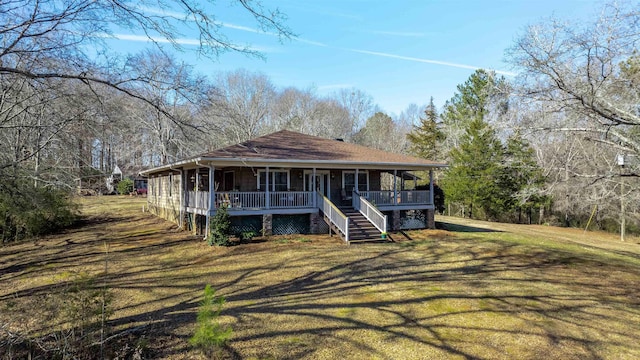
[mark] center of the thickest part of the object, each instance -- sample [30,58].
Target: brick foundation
[267,225]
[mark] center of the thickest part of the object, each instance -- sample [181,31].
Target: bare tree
[590,71]
[49,42]
[359,104]
[174,90]
[240,105]
[580,85]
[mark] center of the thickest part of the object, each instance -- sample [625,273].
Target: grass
[523,292]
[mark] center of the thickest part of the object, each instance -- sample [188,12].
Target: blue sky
[400,52]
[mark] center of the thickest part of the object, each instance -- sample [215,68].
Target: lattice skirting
[291,224]
[243,224]
[323,227]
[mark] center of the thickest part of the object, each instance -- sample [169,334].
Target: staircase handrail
[375,216]
[335,216]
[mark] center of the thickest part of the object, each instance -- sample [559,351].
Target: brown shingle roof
[292,146]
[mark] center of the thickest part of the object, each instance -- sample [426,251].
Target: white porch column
[267,199]
[196,187]
[431,187]
[212,198]
[183,194]
[313,188]
[212,190]
[355,186]
[395,187]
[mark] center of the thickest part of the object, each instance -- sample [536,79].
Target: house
[287,182]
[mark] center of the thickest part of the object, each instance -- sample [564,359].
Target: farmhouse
[287,182]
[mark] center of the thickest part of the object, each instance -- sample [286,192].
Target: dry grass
[522,292]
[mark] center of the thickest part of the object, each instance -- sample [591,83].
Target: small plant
[210,336]
[220,228]
[125,187]
[246,236]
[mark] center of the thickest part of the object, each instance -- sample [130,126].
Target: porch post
[313,188]
[431,187]
[183,194]
[356,182]
[196,188]
[266,194]
[395,187]
[212,197]
[402,180]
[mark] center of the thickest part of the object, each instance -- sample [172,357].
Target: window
[278,180]
[229,180]
[349,181]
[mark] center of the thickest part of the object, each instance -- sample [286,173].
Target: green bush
[220,228]
[210,336]
[125,186]
[246,236]
[27,211]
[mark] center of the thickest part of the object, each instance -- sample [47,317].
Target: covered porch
[247,201]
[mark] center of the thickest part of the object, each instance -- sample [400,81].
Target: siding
[163,196]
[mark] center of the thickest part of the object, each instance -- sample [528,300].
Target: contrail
[437,62]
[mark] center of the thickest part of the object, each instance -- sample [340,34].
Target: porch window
[229,181]
[349,181]
[278,180]
[203,185]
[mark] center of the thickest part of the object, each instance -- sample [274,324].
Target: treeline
[542,147]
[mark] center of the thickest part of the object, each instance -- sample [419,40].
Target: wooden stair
[361,229]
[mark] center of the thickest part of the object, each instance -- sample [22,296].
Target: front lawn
[459,294]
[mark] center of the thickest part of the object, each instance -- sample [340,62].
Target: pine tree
[523,178]
[476,172]
[476,157]
[426,138]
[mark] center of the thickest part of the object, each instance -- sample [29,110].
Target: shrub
[125,186]
[26,210]
[220,228]
[246,236]
[210,336]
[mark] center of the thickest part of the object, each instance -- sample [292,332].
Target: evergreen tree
[476,172]
[476,176]
[475,99]
[522,177]
[426,138]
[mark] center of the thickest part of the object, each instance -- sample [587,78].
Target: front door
[322,183]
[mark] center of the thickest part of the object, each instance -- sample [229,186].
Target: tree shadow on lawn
[456,297]
[461,228]
[314,298]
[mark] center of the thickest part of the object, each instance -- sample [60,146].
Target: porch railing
[404,197]
[335,216]
[197,199]
[251,200]
[291,199]
[375,217]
